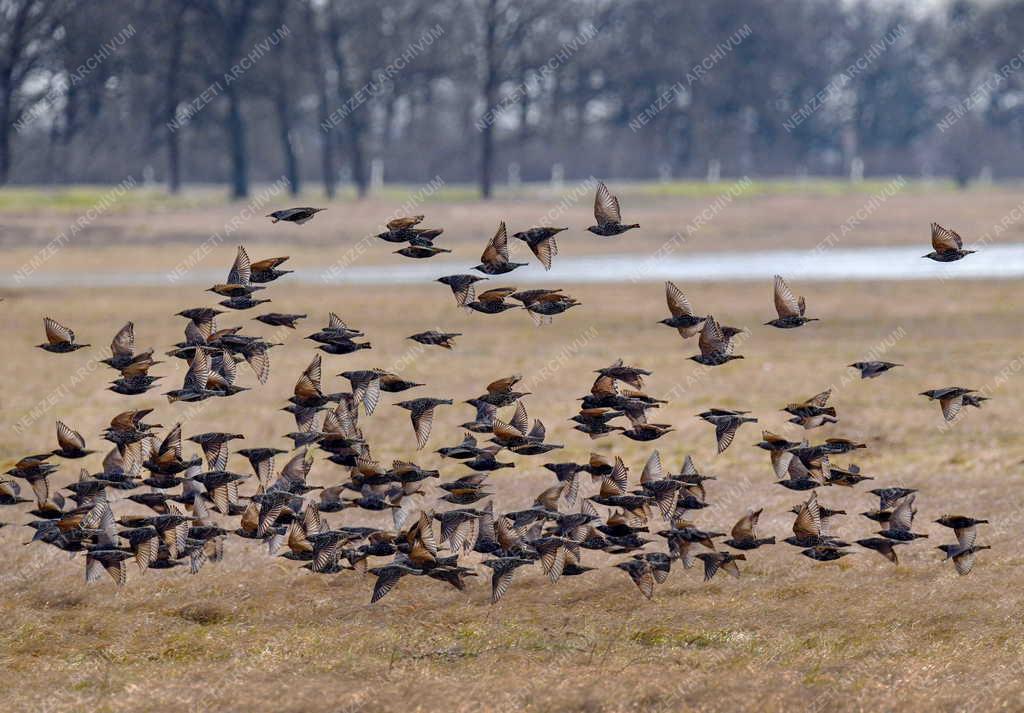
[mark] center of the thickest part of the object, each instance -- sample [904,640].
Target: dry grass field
[257,634]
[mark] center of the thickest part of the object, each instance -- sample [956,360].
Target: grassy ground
[148,232]
[253,634]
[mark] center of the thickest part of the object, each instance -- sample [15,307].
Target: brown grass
[158,238]
[254,634]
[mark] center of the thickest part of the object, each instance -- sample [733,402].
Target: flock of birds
[188,498]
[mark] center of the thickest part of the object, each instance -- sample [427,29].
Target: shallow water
[877,263]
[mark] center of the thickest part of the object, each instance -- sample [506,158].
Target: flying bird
[950,398]
[789,307]
[542,242]
[607,214]
[461,286]
[433,337]
[872,369]
[59,339]
[683,317]
[495,259]
[294,215]
[715,347]
[421,412]
[947,245]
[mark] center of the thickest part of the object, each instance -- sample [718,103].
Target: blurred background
[490,93]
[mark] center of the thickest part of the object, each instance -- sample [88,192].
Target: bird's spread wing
[944,239]
[678,305]
[606,206]
[786,303]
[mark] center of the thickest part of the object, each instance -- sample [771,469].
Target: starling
[266,270]
[594,421]
[882,546]
[608,215]
[647,431]
[59,339]
[825,553]
[642,574]
[542,243]
[485,414]
[778,449]
[789,306]
[798,476]
[724,561]
[807,528]
[197,379]
[951,399]
[294,215]
[239,282]
[492,301]
[71,444]
[133,385]
[123,356]
[388,576]
[241,303]
[421,411]
[495,260]
[440,339]
[871,369]
[965,528]
[215,447]
[343,346]
[744,532]
[464,451]
[402,230]
[335,328]
[200,315]
[715,348]
[106,557]
[683,317]
[890,496]
[420,252]
[962,556]
[947,245]
[503,569]
[901,520]
[691,478]
[813,412]
[545,307]
[10,493]
[726,423]
[277,319]
[461,286]
[366,387]
[634,376]
[846,477]
[485,460]
[404,222]
[519,437]
[393,384]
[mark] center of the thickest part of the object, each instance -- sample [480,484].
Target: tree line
[357,92]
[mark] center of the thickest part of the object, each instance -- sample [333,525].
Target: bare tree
[315,65]
[227,29]
[503,26]
[27,29]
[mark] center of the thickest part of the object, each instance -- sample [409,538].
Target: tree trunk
[323,111]
[5,143]
[171,91]
[490,91]
[235,126]
[284,129]
[357,156]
